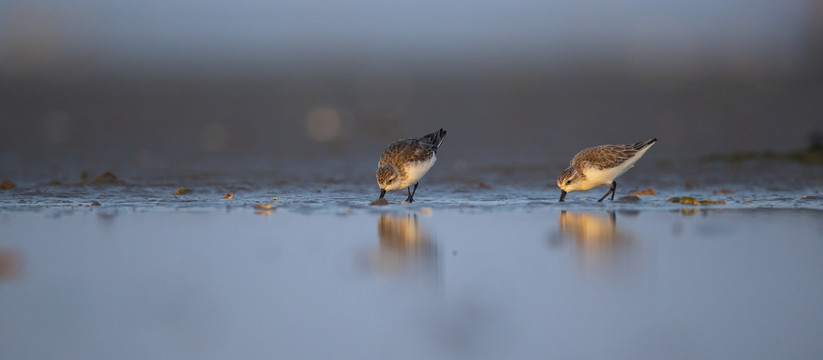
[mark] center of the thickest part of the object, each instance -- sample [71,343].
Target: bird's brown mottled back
[406,151]
[604,156]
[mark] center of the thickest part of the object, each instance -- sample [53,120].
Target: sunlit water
[452,284]
[485,264]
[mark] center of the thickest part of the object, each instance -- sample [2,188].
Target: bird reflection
[405,247]
[9,264]
[264,209]
[600,243]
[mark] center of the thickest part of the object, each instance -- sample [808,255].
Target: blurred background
[170,83]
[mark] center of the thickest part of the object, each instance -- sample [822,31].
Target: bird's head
[569,180]
[388,177]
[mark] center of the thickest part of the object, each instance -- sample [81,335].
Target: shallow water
[411,283]
[485,264]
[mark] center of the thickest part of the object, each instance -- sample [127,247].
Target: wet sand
[343,184]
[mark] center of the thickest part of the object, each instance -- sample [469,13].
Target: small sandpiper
[600,165]
[405,161]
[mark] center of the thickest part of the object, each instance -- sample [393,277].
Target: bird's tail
[643,144]
[436,138]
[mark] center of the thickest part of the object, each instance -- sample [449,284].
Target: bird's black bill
[563,195]
[382,193]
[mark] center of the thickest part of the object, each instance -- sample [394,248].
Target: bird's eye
[568,182]
[390,181]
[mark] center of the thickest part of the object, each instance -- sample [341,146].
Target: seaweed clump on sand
[649,191]
[692,201]
[183,191]
[107,178]
[381,201]
[629,198]
[7,185]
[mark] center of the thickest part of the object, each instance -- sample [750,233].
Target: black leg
[614,189]
[410,199]
[611,191]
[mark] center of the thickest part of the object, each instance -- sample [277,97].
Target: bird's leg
[611,191]
[410,199]
[604,196]
[614,189]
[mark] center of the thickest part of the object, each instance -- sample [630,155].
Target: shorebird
[600,165]
[405,161]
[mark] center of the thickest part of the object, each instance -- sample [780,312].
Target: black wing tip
[643,144]
[436,138]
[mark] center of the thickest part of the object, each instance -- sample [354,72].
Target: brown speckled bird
[405,161]
[600,165]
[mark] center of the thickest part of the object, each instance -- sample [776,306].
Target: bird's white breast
[416,170]
[596,177]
